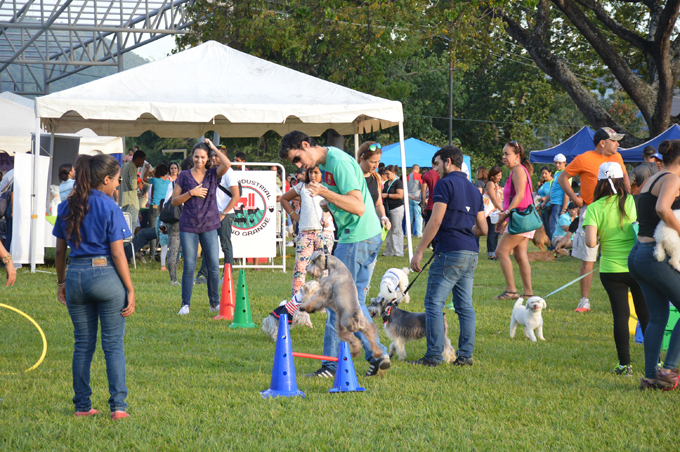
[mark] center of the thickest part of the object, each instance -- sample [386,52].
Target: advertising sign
[253,232]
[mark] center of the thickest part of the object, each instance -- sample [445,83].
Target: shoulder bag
[524,220]
[170,214]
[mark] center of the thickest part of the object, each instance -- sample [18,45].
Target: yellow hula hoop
[44,339]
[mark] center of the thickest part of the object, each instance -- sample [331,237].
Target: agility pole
[319,357]
[44,339]
[570,283]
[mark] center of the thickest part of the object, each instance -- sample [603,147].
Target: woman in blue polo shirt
[97,285]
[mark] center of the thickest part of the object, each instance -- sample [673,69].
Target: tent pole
[407,210]
[34,199]
[356,146]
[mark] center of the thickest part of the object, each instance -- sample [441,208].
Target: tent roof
[578,143]
[214,87]
[417,153]
[635,154]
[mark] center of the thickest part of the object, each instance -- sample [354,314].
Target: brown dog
[541,239]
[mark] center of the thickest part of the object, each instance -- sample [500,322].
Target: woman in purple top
[195,188]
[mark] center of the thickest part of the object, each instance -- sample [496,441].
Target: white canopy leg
[407,210]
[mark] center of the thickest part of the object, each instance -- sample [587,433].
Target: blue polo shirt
[463,202]
[103,224]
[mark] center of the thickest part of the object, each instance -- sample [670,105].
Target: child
[315,226]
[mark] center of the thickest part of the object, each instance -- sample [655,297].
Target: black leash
[393,304]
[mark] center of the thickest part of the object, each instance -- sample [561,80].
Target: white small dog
[393,284]
[667,241]
[529,317]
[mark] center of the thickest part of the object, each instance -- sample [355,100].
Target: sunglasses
[374,147]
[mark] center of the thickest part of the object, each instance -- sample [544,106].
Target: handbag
[524,220]
[170,214]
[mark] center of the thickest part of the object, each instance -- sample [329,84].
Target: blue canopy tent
[580,142]
[417,153]
[635,154]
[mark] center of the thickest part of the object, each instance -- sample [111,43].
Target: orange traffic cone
[227,299]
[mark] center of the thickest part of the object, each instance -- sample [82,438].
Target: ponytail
[90,173]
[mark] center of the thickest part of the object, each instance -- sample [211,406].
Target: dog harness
[387,313]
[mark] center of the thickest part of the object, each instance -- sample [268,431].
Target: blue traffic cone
[345,375]
[638,335]
[284,383]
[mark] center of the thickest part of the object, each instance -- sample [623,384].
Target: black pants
[617,285]
[491,238]
[140,239]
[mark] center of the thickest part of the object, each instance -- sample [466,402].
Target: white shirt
[310,209]
[228,180]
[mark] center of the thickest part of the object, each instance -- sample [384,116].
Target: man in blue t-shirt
[345,190]
[556,200]
[457,220]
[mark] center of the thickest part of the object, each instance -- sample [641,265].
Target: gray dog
[404,326]
[338,292]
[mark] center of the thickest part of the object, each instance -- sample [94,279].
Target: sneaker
[623,370]
[461,361]
[184,310]
[215,308]
[174,283]
[283,303]
[290,244]
[200,280]
[377,367]
[424,362]
[117,415]
[583,305]
[652,383]
[92,412]
[671,379]
[324,372]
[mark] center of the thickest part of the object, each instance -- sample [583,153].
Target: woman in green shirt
[611,216]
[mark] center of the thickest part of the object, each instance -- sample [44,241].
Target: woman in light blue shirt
[67,177]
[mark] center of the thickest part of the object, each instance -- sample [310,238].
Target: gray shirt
[642,172]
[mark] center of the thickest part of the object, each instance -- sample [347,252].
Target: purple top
[199,214]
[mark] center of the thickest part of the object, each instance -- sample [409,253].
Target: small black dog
[404,326]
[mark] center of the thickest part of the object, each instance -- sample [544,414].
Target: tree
[584,44]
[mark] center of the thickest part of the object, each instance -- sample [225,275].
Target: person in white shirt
[227,196]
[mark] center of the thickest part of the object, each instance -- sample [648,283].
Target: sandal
[525,296]
[507,296]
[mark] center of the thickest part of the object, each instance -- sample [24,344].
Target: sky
[157,50]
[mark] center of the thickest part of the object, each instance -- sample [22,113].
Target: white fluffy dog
[667,241]
[393,284]
[529,317]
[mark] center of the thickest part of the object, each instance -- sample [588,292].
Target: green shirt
[616,238]
[342,174]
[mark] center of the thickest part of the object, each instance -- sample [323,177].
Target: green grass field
[194,383]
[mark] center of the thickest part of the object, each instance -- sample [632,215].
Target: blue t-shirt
[463,202]
[103,224]
[65,189]
[545,189]
[564,220]
[160,188]
[556,192]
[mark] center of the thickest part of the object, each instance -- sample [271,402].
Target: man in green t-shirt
[345,190]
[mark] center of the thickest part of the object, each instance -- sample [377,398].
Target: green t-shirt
[342,174]
[615,242]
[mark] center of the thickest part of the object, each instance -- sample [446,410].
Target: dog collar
[386,315]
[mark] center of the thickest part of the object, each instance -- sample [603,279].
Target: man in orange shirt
[586,166]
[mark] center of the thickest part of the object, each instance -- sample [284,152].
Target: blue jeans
[416,218]
[545,217]
[451,272]
[358,258]
[224,233]
[209,243]
[554,218]
[659,283]
[93,295]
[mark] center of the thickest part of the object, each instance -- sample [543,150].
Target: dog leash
[393,304]
[570,283]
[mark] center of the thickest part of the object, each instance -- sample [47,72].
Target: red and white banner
[253,232]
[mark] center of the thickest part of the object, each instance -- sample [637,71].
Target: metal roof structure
[42,41]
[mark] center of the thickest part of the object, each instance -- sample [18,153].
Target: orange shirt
[587,165]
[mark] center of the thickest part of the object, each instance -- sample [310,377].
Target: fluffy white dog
[393,284]
[529,317]
[667,241]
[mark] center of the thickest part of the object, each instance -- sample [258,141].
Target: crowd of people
[346,207]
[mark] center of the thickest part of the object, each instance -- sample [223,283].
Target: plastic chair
[128,220]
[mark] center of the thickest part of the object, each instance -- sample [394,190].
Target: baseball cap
[560,158]
[607,133]
[657,156]
[649,151]
[610,170]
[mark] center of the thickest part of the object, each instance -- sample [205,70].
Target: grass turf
[194,383]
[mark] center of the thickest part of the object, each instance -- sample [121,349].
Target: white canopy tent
[212,87]
[17,123]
